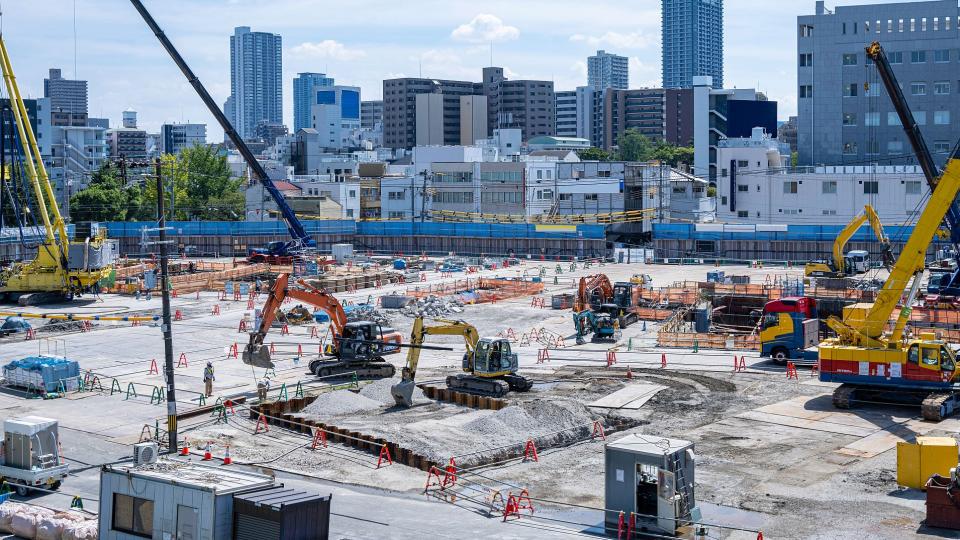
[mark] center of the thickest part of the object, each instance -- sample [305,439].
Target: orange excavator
[593,292]
[357,346]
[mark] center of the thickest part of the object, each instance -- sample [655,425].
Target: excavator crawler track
[843,396]
[476,385]
[372,370]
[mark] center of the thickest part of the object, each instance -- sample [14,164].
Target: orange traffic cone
[185,451]
[629,373]
[226,457]
[207,456]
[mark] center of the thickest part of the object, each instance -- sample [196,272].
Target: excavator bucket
[257,356]
[403,393]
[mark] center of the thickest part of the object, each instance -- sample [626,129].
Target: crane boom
[294,226]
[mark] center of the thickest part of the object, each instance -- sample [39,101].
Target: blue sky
[361,42]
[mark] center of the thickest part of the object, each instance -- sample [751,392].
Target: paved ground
[772,452]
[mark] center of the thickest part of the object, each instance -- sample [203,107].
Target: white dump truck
[31,454]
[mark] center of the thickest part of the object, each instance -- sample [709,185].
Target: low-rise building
[756,185]
[174,138]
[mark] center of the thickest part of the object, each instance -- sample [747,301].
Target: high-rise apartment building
[566,107]
[657,113]
[65,95]
[371,114]
[526,105]
[844,114]
[692,34]
[303,85]
[256,69]
[175,138]
[606,70]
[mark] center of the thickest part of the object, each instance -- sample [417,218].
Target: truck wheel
[779,356]
[55,486]
[23,491]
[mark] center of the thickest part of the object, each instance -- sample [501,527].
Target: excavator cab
[492,357]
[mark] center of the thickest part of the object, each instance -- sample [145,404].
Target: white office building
[754,185]
[335,114]
[174,138]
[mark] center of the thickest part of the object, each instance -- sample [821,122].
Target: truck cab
[789,329]
[857,261]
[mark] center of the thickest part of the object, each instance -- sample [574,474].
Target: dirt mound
[340,402]
[380,391]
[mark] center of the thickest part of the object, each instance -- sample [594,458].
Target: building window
[871,119]
[828,187]
[913,25]
[539,174]
[873,147]
[743,187]
[866,27]
[844,28]
[790,188]
[923,24]
[918,57]
[132,515]
[349,212]
[829,212]
[895,57]
[850,90]
[742,164]
[871,90]
[395,215]
[849,119]
[850,59]
[806,30]
[590,196]
[941,88]
[806,59]
[893,119]
[941,56]
[936,24]
[946,23]
[565,196]
[742,214]
[941,118]
[941,147]
[918,88]
[353,193]
[900,25]
[850,148]
[920,117]
[396,195]
[871,187]
[912,187]
[806,91]
[894,147]
[889,25]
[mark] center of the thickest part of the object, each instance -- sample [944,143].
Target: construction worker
[208,379]
[262,388]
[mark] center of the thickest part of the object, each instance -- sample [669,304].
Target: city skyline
[116,53]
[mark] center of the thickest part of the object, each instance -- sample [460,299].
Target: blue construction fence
[770,233]
[130,229]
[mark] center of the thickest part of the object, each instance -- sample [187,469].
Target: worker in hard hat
[208,379]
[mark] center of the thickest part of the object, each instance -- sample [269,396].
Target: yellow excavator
[61,269]
[490,368]
[855,262]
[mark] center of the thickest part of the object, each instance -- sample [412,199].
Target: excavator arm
[877,226]
[587,285]
[258,355]
[403,391]
[841,242]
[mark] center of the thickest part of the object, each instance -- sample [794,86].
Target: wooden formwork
[487,290]
[747,342]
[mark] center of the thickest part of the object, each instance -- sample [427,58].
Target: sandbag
[50,528]
[24,525]
[87,530]
[7,511]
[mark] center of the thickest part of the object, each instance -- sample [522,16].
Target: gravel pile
[340,402]
[433,306]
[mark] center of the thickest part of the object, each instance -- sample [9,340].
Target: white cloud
[644,75]
[633,40]
[485,27]
[327,48]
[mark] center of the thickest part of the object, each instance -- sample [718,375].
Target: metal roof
[218,479]
[278,497]
[648,444]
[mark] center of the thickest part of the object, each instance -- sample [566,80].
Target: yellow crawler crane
[61,269]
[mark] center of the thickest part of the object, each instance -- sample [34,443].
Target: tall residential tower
[303,85]
[692,42]
[605,70]
[256,69]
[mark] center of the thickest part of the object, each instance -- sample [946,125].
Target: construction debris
[432,307]
[366,312]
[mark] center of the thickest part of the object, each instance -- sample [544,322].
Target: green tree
[794,159]
[593,154]
[634,146]
[104,198]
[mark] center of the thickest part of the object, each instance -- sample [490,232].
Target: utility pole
[167,329]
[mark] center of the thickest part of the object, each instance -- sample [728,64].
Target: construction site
[533,392]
